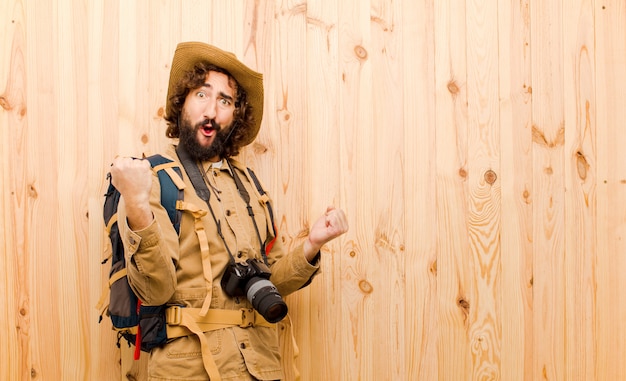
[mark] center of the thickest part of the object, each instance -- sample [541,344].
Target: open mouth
[209,128]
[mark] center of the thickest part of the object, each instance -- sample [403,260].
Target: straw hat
[189,53]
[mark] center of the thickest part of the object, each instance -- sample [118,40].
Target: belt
[183,321]
[214,319]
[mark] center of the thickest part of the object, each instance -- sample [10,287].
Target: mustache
[209,123]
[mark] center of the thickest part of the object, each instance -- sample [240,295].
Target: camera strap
[246,198]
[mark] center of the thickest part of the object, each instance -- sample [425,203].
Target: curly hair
[243,119]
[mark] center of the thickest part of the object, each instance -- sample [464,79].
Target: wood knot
[360,52]
[4,102]
[464,304]
[161,112]
[453,88]
[284,115]
[145,139]
[259,148]
[366,286]
[433,268]
[32,191]
[463,173]
[490,177]
[581,165]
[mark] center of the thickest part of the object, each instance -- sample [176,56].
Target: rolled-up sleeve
[292,271]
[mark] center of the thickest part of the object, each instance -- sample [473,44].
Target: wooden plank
[581,182]
[416,24]
[384,177]
[484,211]
[516,185]
[453,259]
[14,280]
[355,96]
[257,53]
[548,190]
[70,48]
[102,146]
[194,21]
[288,108]
[39,229]
[132,29]
[164,31]
[610,34]
[227,25]
[325,143]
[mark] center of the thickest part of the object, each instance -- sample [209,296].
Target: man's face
[207,117]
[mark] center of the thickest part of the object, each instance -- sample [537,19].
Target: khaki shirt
[164,267]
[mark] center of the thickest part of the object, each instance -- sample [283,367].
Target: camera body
[251,279]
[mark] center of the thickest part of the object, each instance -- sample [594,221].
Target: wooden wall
[477,147]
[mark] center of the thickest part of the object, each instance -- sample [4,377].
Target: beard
[189,140]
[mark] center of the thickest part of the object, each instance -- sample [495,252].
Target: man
[214,108]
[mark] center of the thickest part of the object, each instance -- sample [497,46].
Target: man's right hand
[133,179]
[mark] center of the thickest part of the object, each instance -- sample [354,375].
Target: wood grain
[325,143]
[451,155]
[416,24]
[476,147]
[15,318]
[581,182]
[484,208]
[548,131]
[516,182]
[611,175]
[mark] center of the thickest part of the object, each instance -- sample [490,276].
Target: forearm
[138,214]
[311,251]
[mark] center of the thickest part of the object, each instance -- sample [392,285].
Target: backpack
[145,326]
[141,325]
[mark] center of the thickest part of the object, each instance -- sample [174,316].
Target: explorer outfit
[180,270]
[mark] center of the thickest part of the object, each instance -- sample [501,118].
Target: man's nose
[210,109]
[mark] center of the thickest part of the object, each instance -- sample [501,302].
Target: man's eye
[200,94]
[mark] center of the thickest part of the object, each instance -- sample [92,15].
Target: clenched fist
[329,226]
[133,179]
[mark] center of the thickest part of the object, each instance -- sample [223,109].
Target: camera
[251,279]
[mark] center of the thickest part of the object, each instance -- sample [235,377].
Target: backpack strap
[172,186]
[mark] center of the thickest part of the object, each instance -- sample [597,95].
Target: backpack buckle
[174,315]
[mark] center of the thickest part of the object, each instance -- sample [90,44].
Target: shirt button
[242,345]
[132,241]
[227,212]
[239,254]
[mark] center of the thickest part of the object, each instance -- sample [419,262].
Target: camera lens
[265,299]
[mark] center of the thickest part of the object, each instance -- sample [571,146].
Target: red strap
[138,336]
[270,244]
